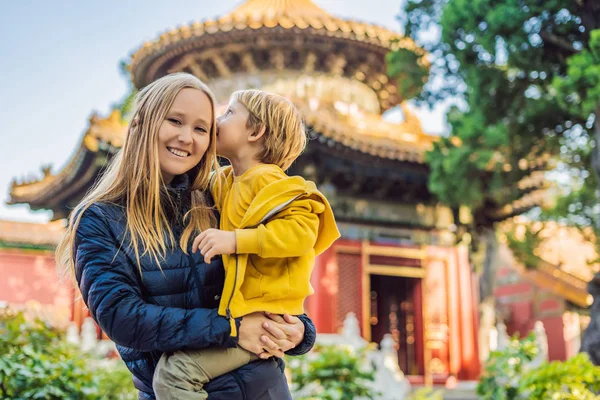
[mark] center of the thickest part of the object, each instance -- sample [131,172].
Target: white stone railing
[88,341]
[499,340]
[390,381]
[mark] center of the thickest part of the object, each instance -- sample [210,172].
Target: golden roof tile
[370,133]
[108,131]
[288,14]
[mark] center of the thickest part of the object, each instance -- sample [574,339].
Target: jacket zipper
[278,208]
[195,271]
[179,223]
[178,216]
[228,309]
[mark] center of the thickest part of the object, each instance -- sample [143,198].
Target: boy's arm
[291,233]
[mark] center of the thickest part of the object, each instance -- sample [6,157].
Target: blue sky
[59,64]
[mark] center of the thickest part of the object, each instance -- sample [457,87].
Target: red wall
[523,304]
[30,278]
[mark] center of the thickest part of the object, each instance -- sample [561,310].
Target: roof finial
[257,9]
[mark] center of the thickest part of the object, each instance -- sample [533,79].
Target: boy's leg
[182,375]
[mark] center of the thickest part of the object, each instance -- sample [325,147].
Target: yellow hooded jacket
[284,227]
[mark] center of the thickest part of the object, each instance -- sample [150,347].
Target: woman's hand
[250,333]
[270,335]
[285,333]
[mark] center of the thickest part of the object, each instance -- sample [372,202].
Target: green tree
[525,75]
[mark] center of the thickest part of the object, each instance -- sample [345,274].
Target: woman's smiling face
[184,135]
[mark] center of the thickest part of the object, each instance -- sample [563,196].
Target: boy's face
[232,133]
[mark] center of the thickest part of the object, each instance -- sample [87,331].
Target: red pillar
[321,306]
[469,316]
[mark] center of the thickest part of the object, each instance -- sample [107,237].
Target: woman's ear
[256,135]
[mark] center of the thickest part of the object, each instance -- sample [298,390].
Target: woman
[128,246]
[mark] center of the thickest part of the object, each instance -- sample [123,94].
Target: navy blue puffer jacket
[154,313]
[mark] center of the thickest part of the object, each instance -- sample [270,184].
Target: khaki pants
[183,374]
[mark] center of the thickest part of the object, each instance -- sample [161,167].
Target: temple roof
[556,280]
[400,143]
[103,137]
[564,256]
[275,35]
[370,134]
[278,10]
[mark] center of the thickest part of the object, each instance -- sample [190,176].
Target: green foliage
[36,362]
[407,68]
[125,106]
[504,369]
[576,378]
[579,91]
[525,248]
[332,373]
[114,382]
[514,66]
[509,375]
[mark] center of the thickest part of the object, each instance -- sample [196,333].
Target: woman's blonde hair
[285,134]
[134,178]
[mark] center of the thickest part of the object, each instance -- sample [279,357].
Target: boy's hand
[213,242]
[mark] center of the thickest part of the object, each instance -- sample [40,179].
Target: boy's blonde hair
[285,134]
[134,177]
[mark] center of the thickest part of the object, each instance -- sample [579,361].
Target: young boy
[272,227]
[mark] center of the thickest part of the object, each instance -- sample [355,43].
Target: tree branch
[558,42]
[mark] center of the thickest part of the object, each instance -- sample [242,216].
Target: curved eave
[559,282]
[54,191]
[103,137]
[351,49]
[328,27]
[401,142]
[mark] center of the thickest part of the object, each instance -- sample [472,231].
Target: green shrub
[332,373]
[504,369]
[509,375]
[36,362]
[576,378]
[114,382]
[426,394]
